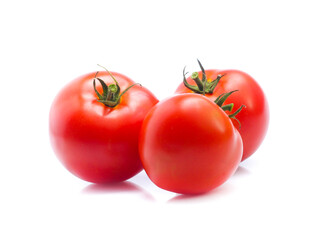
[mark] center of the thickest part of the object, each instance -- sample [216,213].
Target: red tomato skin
[96,143]
[189,145]
[254,118]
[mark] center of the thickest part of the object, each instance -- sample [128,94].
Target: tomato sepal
[220,101]
[111,95]
[203,85]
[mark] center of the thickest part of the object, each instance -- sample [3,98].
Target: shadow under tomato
[219,191]
[214,194]
[112,188]
[242,171]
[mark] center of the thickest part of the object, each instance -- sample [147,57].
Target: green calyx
[220,101]
[111,95]
[203,86]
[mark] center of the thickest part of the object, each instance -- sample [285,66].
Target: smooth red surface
[254,118]
[189,145]
[94,142]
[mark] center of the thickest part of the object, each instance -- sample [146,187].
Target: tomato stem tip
[203,86]
[111,95]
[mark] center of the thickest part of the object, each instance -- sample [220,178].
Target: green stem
[200,84]
[220,101]
[111,95]
[203,86]
[227,107]
[233,115]
[128,88]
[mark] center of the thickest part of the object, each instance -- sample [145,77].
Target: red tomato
[188,144]
[254,118]
[96,142]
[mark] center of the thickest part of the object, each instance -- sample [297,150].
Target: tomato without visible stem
[254,118]
[189,145]
[95,142]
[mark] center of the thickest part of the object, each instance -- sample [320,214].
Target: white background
[278,193]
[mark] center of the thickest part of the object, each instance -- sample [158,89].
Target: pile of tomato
[105,128]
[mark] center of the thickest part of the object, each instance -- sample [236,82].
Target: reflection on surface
[133,188]
[216,193]
[112,188]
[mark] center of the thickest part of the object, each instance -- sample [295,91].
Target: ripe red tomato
[95,142]
[254,118]
[188,144]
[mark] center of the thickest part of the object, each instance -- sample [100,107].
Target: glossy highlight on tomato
[189,145]
[254,118]
[95,142]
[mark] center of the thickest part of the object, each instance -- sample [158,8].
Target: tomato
[253,120]
[95,135]
[188,144]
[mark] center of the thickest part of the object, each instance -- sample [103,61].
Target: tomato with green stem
[253,121]
[94,128]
